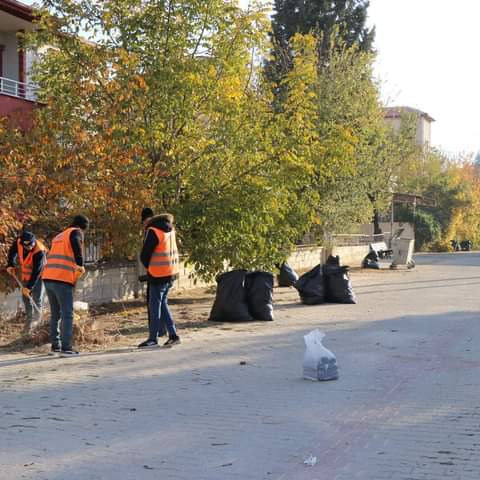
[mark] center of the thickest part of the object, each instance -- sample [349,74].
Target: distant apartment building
[17,92]
[424,122]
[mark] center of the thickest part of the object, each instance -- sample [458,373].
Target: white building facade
[394,116]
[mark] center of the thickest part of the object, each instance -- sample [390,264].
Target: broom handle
[34,305]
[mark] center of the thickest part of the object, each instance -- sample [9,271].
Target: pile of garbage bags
[329,283]
[243,296]
[464,245]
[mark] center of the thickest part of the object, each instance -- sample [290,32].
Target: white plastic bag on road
[319,363]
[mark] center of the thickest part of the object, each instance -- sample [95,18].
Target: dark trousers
[60,297]
[161,327]
[160,315]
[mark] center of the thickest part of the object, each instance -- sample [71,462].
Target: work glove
[26,292]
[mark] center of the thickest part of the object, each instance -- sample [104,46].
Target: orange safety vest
[61,265]
[26,264]
[164,260]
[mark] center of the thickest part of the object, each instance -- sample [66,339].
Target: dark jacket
[38,262]
[76,241]
[150,243]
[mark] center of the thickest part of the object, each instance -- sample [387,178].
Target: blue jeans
[60,297]
[37,294]
[160,316]
[161,330]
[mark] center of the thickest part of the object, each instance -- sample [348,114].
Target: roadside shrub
[428,231]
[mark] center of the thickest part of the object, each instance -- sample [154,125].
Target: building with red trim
[17,92]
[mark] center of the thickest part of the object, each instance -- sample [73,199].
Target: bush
[428,231]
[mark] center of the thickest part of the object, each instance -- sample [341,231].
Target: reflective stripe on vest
[164,261]
[61,265]
[26,264]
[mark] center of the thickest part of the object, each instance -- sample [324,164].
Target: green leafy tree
[353,132]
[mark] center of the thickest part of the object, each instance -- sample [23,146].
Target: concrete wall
[10,304]
[352,256]
[115,283]
[104,284]
[306,257]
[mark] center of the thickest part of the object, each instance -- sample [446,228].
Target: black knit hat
[146,213]
[81,221]
[27,237]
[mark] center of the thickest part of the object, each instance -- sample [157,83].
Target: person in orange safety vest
[159,256]
[65,264]
[26,261]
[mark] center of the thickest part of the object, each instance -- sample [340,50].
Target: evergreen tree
[343,19]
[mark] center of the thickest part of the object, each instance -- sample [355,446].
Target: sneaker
[148,344]
[54,350]
[172,341]
[69,353]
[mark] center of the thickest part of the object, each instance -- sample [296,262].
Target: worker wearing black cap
[146,216]
[27,258]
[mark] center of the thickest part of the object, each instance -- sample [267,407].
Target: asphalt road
[230,402]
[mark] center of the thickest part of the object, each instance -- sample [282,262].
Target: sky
[428,59]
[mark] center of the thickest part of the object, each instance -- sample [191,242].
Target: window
[2,48]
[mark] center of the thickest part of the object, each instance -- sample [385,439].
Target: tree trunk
[376,223]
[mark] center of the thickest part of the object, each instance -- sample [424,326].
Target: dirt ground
[122,324]
[110,326]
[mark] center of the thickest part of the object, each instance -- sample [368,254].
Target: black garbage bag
[311,286]
[466,245]
[373,255]
[372,260]
[333,260]
[231,299]
[259,286]
[288,276]
[371,264]
[338,285]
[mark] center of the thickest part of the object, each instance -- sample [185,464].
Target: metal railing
[93,252]
[357,239]
[16,89]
